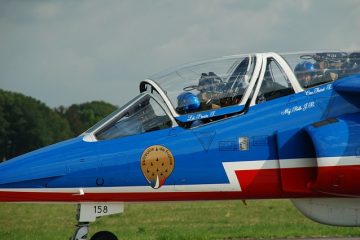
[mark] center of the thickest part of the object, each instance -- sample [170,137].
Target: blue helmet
[187,102]
[305,67]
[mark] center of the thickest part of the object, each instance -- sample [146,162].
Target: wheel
[104,235]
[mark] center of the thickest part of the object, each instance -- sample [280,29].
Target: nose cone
[36,168]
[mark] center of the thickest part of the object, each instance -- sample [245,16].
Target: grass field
[170,221]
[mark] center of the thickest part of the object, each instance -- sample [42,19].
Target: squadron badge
[157,163]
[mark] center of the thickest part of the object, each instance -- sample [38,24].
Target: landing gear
[88,212]
[81,232]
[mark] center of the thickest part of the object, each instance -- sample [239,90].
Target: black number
[101,209]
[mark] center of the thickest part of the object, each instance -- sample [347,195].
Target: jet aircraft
[253,126]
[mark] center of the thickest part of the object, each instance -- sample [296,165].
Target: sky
[66,52]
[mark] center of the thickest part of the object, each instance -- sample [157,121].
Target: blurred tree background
[27,124]
[82,116]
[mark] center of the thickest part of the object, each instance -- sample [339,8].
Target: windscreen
[142,115]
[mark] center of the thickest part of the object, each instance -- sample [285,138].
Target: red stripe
[341,180]
[130,197]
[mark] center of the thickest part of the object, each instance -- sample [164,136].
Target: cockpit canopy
[312,69]
[217,84]
[207,85]
[215,89]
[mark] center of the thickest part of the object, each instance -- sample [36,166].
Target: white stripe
[251,165]
[271,164]
[135,189]
[298,163]
[338,161]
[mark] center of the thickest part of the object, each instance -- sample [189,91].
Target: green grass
[170,221]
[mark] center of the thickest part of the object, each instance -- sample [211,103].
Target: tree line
[27,124]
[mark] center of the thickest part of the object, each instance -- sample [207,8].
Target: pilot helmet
[187,102]
[304,68]
[305,73]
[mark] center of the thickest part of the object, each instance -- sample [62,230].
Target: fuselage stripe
[230,168]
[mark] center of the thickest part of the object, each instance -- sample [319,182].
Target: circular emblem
[157,163]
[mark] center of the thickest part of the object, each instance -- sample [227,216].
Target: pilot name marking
[318,90]
[198,116]
[298,108]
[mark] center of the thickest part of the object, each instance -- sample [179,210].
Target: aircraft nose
[29,170]
[36,168]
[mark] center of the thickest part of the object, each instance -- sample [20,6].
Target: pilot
[210,88]
[305,73]
[187,103]
[329,71]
